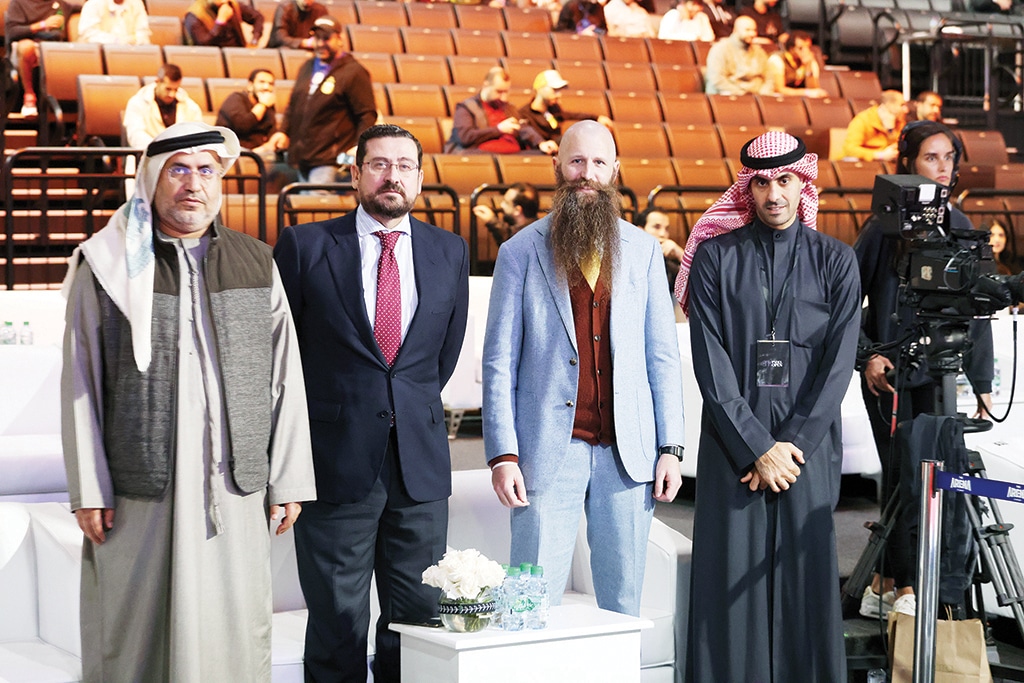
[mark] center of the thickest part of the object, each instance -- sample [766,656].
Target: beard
[583,225]
[377,204]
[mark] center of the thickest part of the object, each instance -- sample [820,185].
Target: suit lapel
[425,262]
[556,284]
[345,262]
[623,287]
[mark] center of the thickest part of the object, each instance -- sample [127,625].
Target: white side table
[581,643]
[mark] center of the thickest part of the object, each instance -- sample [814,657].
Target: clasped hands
[777,469]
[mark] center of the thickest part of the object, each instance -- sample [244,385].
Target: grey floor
[856,504]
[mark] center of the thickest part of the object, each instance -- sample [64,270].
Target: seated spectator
[293,24]
[627,19]
[873,133]
[114,22]
[721,19]
[545,113]
[768,20]
[1001,241]
[656,223]
[927,106]
[252,115]
[736,65]
[583,17]
[794,71]
[488,123]
[519,207]
[686,21]
[27,23]
[158,106]
[219,22]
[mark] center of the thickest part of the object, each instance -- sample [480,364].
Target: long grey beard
[583,225]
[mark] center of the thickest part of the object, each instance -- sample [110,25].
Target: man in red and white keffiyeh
[768,156]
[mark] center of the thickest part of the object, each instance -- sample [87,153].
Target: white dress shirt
[369,254]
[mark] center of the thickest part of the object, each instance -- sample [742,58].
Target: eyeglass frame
[385,166]
[181,174]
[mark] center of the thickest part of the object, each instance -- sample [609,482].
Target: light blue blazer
[530,360]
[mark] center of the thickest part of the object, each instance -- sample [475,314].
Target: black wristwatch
[672,449]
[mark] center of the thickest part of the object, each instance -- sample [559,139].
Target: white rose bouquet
[464,575]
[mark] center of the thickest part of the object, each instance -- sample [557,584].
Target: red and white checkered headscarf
[767,156]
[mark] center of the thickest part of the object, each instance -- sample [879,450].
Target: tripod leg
[853,589]
[999,561]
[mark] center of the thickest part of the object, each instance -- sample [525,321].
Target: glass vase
[466,615]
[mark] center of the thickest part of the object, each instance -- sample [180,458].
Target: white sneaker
[906,604]
[871,602]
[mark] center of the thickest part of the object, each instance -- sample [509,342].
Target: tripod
[997,562]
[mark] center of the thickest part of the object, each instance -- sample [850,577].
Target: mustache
[389,186]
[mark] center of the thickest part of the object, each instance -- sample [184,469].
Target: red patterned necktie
[387,325]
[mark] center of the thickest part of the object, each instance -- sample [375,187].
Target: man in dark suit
[380,302]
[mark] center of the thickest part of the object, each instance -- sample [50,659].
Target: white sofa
[40,564]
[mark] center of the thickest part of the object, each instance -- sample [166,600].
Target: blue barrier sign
[977,486]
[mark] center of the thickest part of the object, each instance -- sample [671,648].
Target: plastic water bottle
[7,334]
[537,617]
[498,595]
[25,336]
[511,616]
[524,604]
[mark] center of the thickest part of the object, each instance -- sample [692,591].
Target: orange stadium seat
[710,172]
[641,140]
[422,69]
[526,168]
[632,50]
[431,15]
[478,43]
[858,175]
[782,111]
[593,102]
[671,52]
[167,8]
[984,146]
[379,64]
[828,112]
[673,78]
[425,129]
[533,19]
[690,141]
[859,85]
[644,174]
[733,110]
[470,70]
[427,40]
[528,45]
[101,99]
[61,63]
[480,17]
[686,108]
[364,38]
[132,60]
[201,61]
[827,80]
[734,137]
[818,140]
[700,51]
[240,61]
[634,77]
[634,107]
[378,13]
[453,94]
[416,99]
[837,219]
[577,47]
[523,71]
[1010,176]
[165,30]
[582,74]
[293,60]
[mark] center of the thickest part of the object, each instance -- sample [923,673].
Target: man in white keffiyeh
[184,425]
[773,309]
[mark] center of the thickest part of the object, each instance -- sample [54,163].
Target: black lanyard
[768,281]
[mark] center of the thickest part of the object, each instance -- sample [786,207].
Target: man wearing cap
[330,105]
[774,312]
[184,425]
[544,113]
[488,123]
[582,403]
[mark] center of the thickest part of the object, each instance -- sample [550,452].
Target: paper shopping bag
[960,654]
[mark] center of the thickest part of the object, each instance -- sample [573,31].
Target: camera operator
[929,149]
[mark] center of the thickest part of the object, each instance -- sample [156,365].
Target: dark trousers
[339,547]
[900,555]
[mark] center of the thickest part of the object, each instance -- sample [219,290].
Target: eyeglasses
[182,174]
[380,167]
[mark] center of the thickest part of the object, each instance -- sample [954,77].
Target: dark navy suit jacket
[350,388]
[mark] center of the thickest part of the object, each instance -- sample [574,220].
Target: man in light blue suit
[583,405]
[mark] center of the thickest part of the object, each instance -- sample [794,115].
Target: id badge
[772,363]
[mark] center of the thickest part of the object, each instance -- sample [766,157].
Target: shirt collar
[366,224]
